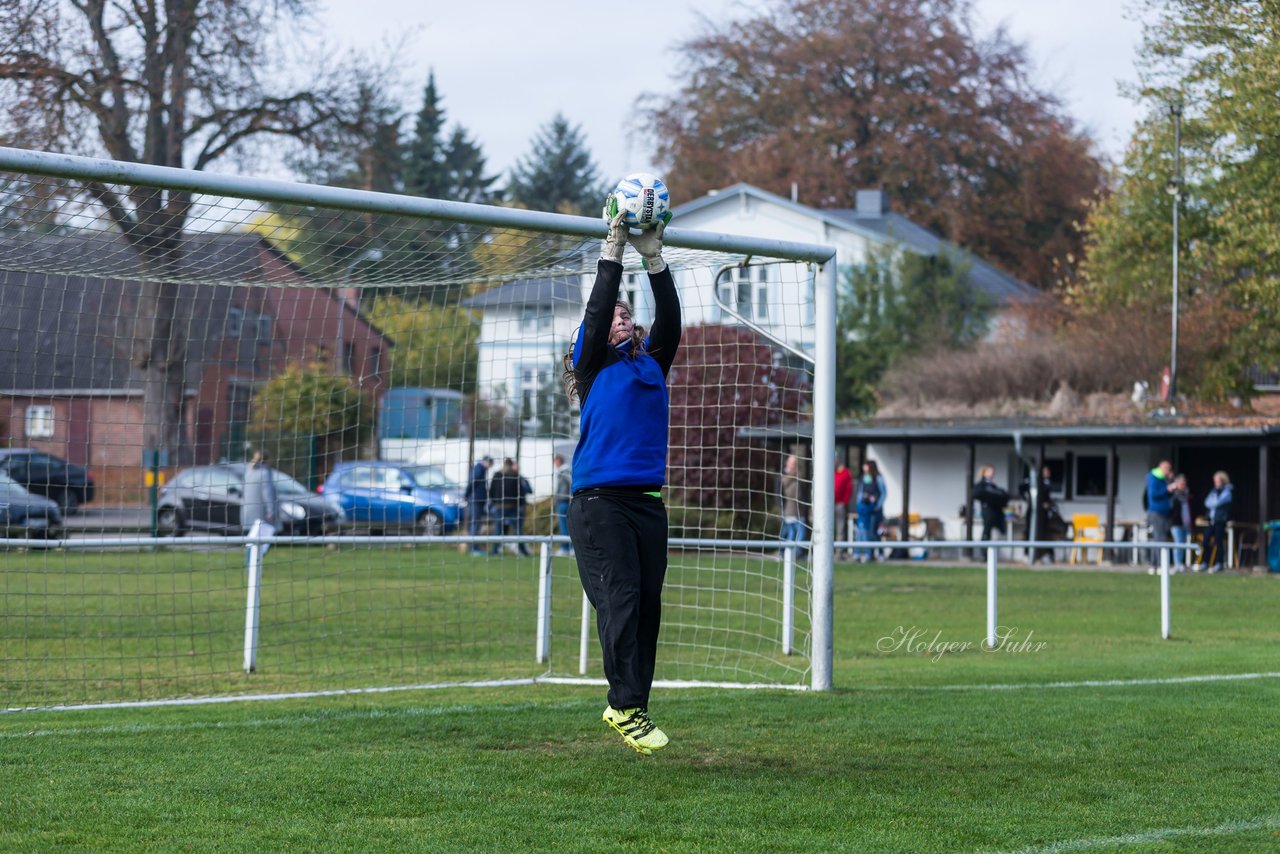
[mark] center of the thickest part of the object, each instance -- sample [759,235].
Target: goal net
[387,358]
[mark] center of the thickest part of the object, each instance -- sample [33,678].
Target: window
[1057,473]
[535,318]
[235,321]
[388,480]
[360,477]
[40,422]
[532,380]
[746,291]
[637,296]
[223,482]
[1091,476]
[264,327]
[630,290]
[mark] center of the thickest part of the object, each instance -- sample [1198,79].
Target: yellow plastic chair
[1085,528]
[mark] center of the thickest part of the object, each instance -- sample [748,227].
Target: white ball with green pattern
[643,197]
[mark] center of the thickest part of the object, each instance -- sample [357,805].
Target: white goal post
[160,326]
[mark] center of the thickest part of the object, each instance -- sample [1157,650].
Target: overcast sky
[505,67]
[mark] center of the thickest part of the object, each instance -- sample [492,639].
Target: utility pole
[1175,189]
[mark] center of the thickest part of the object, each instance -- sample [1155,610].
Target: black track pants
[621,544]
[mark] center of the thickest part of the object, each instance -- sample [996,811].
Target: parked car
[386,497]
[67,484]
[209,498]
[26,516]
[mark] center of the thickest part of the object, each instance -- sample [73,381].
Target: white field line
[344,692]
[1085,683]
[1150,836]
[258,698]
[673,684]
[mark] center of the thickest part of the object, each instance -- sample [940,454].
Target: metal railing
[789,552]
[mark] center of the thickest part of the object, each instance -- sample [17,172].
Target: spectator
[844,494]
[1042,506]
[1159,508]
[789,488]
[505,498]
[994,499]
[477,496]
[563,496]
[870,508]
[1181,523]
[259,502]
[1218,505]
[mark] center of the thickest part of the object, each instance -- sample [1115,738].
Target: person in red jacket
[844,494]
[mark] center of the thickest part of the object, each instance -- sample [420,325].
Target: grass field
[928,743]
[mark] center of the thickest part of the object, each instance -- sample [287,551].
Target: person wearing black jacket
[505,498]
[1044,511]
[617,519]
[993,498]
[477,496]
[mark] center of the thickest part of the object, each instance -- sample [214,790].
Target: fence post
[1164,592]
[788,598]
[253,553]
[584,640]
[544,601]
[991,598]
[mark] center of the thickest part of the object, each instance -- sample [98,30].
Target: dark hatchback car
[66,484]
[26,516]
[208,498]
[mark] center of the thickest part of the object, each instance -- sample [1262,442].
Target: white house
[527,325]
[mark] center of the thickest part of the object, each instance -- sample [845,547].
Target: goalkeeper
[617,521]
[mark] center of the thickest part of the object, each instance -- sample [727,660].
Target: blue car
[393,497]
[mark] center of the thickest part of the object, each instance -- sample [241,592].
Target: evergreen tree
[558,173]
[425,172]
[439,168]
[464,164]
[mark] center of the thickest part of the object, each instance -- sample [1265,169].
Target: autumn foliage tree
[840,95]
[726,379]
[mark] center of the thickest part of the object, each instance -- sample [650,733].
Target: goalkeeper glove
[649,244]
[616,243]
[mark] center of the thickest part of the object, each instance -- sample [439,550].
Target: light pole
[340,353]
[1175,189]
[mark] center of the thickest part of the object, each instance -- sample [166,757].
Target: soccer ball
[644,198]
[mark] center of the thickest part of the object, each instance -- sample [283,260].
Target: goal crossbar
[341,198]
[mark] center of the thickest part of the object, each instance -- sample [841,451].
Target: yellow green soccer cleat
[636,729]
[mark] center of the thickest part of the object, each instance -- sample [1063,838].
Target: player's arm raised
[664,337]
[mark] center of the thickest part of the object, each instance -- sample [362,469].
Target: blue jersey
[623,436]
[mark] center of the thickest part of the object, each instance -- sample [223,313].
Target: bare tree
[178,83]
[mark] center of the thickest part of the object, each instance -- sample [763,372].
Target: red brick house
[68,385]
